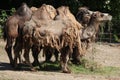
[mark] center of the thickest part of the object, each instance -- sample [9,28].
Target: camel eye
[102,15]
[94,15]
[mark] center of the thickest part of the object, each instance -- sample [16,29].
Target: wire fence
[108,37]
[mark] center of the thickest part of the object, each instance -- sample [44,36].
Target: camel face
[83,16]
[98,16]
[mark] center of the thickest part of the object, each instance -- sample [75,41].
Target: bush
[3,17]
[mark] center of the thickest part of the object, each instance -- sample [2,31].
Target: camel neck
[94,24]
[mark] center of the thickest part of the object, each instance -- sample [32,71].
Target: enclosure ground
[104,54]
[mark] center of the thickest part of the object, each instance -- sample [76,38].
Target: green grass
[106,71]
[82,69]
[50,66]
[88,68]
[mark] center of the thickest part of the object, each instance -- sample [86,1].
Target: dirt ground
[104,54]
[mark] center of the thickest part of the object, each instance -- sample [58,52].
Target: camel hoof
[33,69]
[66,71]
[24,62]
[35,63]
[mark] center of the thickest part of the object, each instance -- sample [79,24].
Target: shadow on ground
[5,66]
[44,66]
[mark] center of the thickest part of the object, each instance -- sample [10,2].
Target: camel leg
[56,54]
[17,50]
[64,60]
[35,52]
[20,58]
[48,53]
[27,58]
[76,56]
[8,49]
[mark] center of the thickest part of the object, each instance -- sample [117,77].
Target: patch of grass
[90,67]
[106,71]
[110,71]
[87,67]
[50,66]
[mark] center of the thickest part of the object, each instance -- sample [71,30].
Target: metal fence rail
[109,37]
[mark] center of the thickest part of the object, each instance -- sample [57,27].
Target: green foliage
[116,38]
[3,17]
[93,68]
[13,10]
[50,66]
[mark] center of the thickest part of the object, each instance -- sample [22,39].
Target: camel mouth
[110,18]
[107,16]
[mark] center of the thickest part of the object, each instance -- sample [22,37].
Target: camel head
[83,16]
[100,17]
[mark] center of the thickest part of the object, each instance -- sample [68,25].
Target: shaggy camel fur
[61,34]
[12,25]
[83,16]
[63,14]
[33,9]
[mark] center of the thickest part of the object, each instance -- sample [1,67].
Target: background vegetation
[110,6]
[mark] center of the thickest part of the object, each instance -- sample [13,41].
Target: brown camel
[91,26]
[12,26]
[42,15]
[61,34]
[90,31]
[83,17]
